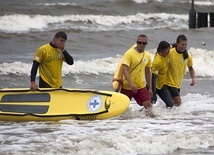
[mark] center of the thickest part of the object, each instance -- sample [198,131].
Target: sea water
[99,33]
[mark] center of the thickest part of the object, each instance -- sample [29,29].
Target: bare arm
[128,78]
[192,75]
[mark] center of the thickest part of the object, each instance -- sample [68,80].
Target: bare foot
[149,113]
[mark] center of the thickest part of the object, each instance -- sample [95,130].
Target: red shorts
[141,96]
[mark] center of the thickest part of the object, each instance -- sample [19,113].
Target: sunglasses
[144,43]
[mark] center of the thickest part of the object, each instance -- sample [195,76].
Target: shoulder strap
[137,64]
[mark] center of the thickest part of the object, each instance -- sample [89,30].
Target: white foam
[55,4]
[202,59]
[206,3]
[16,23]
[187,127]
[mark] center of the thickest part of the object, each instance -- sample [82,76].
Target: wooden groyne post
[200,19]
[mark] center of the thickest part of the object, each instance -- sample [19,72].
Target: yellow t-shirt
[132,58]
[50,68]
[159,67]
[177,68]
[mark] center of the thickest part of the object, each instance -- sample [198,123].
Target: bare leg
[177,101]
[148,106]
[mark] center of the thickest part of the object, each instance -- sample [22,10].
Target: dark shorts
[141,96]
[165,95]
[174,91]
[43,84]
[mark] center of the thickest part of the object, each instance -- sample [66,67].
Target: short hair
[142,36]
[163,45]
[61,34]
[181,38]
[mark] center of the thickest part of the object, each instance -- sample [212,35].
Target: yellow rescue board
[47,104]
